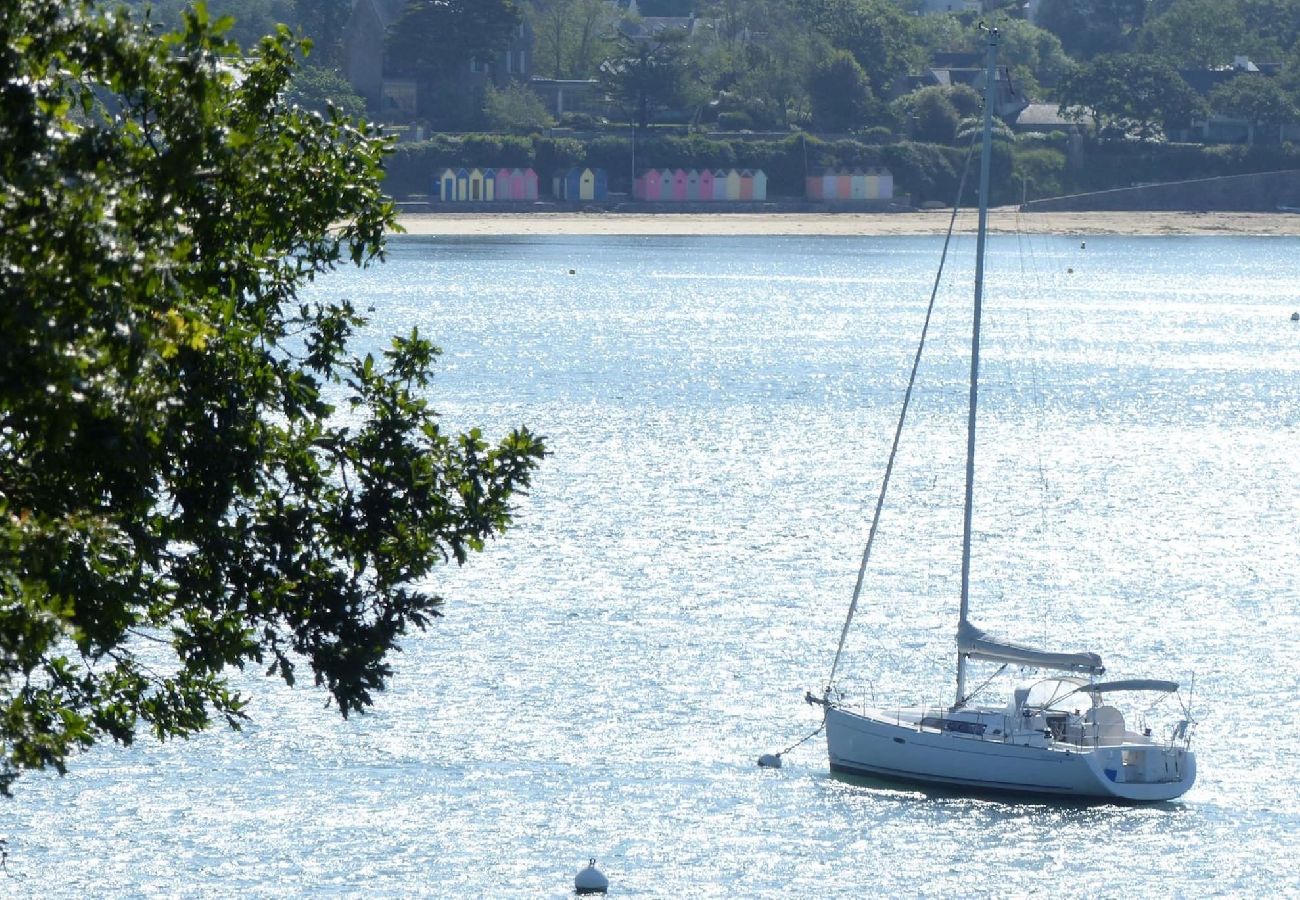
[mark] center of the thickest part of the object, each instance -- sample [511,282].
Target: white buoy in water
[1295,317]
[1083,245]
[590,880]
[770,761]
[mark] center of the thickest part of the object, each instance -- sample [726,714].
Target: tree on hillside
[572,37]
[431,38]
[316,88]
[761,61]
[195,471]
[876,32]
[1088,28]
[325,23]
[841,96]
[516,108]
[1258,99]
[1131,95]
[1197,34]
[645,77]
[930,113]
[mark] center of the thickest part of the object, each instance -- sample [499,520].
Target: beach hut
[886,185]
[693,185]
[489,184]
[504,190]
[830,185]
[651,184]
[871,183]
[746,184]
[517,185]
[760,184]
[859,185]
[719,184]
[678,189]
[530,185]
[475,185]
[462,184]
[706,185]
[733,184]
[599,184]
[586,185]
[812,186]
[446,186]
[564,184]
[844,185]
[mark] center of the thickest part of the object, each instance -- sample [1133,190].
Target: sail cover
[977,644]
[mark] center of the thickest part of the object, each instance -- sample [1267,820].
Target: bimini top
[1131,684]
[977,644]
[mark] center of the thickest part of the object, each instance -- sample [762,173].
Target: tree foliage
[1197,34]
[431,38]
[516,108]
[840,92]
[881,38]
[1131,95]
[195,471]
[573,37]
[316,88]
[645,77]
[1256,98]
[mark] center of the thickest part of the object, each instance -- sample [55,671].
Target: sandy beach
[1004,220]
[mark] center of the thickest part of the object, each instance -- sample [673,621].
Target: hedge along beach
[1006,220]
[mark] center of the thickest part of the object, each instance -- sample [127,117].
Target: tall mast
[990,81]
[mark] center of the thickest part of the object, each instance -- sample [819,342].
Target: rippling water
[719,411]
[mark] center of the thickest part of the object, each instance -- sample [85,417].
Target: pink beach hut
[654,185]
[530,185]
[501,177]
[706,184]
[844,185]
[678,193]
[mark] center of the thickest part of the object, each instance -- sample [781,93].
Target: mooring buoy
[590,880]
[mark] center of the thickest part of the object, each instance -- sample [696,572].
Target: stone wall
[1261,192]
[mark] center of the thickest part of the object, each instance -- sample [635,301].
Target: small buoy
[770,761]
[1083,245]
[573,271]
[590,880]
[1069,271]
[1295,317]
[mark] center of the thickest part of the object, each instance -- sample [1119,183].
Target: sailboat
[1058,736]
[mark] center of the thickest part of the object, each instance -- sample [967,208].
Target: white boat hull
[886,744]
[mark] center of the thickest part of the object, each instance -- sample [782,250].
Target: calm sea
[720,411]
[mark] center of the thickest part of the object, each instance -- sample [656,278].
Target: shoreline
[1003,220]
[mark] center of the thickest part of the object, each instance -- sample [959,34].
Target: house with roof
[1223,127]
[964,68]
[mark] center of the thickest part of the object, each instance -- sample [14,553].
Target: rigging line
[902,417]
